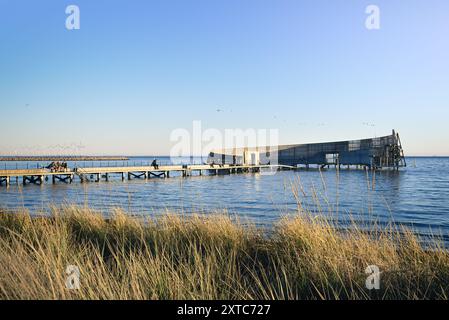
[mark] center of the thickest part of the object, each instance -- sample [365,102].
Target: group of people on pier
[57,166]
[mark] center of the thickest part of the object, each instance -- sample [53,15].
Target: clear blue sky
[136,70]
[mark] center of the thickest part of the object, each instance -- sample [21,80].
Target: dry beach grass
[210,257]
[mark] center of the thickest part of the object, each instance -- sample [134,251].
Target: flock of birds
[71,148]
[77,147]
[320,124]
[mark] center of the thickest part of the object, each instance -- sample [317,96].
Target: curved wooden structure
[373,153]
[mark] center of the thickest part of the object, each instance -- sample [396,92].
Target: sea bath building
[373,153]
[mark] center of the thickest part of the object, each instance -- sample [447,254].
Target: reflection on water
[416,196]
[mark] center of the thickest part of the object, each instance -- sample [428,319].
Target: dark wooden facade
[376,153]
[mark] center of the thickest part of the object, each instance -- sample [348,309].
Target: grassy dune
[209,257]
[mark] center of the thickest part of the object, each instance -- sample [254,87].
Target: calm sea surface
[417,196]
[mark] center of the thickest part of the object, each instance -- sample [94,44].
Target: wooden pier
[39,176]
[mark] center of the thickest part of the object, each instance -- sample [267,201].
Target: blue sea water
[416,196]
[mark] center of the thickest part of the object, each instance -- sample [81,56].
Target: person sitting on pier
[154,164]
[212,164]
[50,166]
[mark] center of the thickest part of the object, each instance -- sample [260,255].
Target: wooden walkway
[38,176]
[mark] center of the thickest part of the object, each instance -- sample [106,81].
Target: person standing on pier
[154,164]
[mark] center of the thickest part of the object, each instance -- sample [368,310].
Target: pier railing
[21,165]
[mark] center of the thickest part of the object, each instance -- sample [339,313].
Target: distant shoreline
[12,158]
[120,158]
